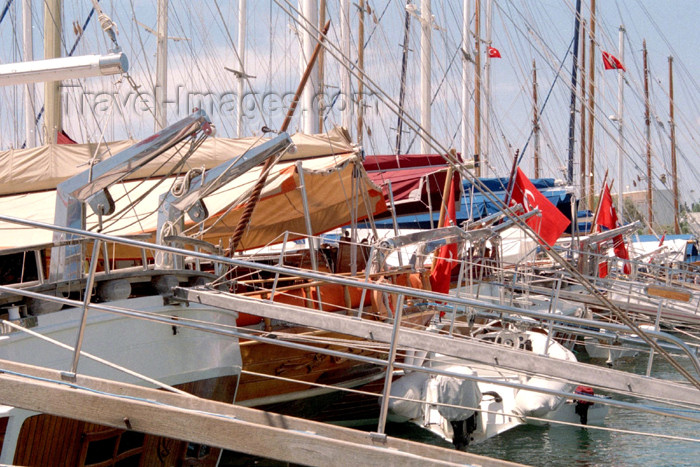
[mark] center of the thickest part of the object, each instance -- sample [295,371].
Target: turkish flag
[551,223]
[494,53]
[607,217]
[612,63]
[621,252]
[447,254]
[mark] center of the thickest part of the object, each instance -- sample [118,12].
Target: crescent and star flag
[612,63]
[447,254]
[607,217]
[551,223]
[494,53]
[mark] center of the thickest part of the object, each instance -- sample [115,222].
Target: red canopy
[414,178]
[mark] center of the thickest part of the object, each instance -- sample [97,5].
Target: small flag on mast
[494,53]
[612,63]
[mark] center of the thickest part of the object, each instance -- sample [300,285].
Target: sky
[204,37]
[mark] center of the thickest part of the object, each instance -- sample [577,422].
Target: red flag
[603,269]
[621,252]
[661,243]
[607,217]
[612,63]
[551,223]
[63,138]
[494,53]
[447,254]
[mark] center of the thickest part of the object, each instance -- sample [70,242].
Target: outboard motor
[462,430]
[582,406]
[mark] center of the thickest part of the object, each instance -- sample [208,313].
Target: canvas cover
[44,167]
[327,179]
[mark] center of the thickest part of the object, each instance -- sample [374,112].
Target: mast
[620,137]
[322,10]
[487,94]
[591,108]
[572,105]
[360,70]
[402,88]
[28,56]
[465,77]
[241,57]
[309,113]
[257,189]
[162,66]
[582,145]
[647,134]
[674,168]
[52,89]
[425,69]
[535,120]
[477,88]
[346,88]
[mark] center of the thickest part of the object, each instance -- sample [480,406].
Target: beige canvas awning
[327,179]
[328,184]
[44,167]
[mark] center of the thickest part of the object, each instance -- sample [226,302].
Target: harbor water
[620,443]
[563,445]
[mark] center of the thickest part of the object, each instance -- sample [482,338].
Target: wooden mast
[591,108]
[52,89]
[647,133]
[360,70]
[535,120]
[29,89]
[402,88]
[257,189]
[477,88]
[582,146]
[674,168]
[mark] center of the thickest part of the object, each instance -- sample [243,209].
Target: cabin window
[18,267]
[112,447]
